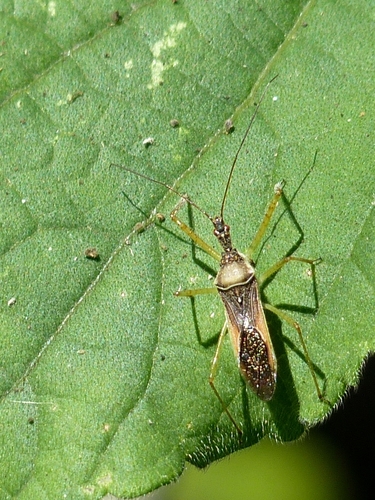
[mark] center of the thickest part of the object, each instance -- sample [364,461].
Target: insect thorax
[235,269]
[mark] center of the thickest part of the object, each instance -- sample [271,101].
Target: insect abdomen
[255,365]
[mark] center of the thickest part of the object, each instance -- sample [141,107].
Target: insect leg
[284,316]
[193,292]
[192,235]
[278,191]
[276,267]
[213,372]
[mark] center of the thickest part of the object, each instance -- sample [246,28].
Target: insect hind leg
[213,373]
[293,323]
[215,360]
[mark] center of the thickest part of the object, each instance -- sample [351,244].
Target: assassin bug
[238,288]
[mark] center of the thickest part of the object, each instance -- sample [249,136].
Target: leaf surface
[104,373]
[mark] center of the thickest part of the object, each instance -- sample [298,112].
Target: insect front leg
[198,241]
[278,191]
[191,233]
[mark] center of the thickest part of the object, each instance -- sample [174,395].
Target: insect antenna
[184,196]
[167,186]
[241,144]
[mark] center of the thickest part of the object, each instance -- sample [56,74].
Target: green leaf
[104,373]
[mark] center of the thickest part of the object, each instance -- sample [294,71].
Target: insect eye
[220,227]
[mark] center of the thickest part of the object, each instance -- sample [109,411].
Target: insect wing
[250,337]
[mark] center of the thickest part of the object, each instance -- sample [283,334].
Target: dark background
[351,430]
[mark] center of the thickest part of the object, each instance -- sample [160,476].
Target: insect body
[238,288]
